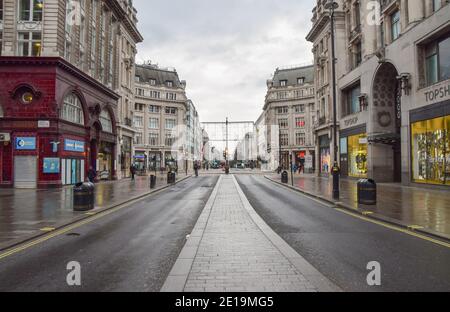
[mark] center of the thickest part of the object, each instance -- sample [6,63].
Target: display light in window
[27,97]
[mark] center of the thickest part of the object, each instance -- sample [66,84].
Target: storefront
[430,144]
[171,160]
[125,157]
[104,161]
[140,161]
[154,162]
[324,154]
[73,162]
[55,124]
[354,152]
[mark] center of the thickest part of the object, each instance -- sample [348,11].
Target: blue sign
[73,146]
[51,165]
[26,143]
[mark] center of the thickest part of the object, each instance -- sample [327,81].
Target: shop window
[357,156]
[105,120]
[72,110]
[431,151]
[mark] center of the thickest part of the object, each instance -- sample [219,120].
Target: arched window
[105,120]
[72,110]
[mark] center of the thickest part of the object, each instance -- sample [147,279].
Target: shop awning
[384,138]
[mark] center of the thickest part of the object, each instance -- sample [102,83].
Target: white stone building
[393,90]
[290,107]
[161,116]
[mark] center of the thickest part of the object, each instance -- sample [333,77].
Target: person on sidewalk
[92,174]
[196,168]
[133,171]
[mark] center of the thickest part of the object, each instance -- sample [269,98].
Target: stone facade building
[165,120]
[60,93]
[393,90]
[290,106]
[320,36]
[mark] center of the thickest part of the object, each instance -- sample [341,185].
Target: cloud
[225,50]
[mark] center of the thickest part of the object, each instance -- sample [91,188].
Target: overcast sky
[225,50]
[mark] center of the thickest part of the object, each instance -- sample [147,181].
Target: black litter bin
[171,177]
[152,181]
[367,192]
[83,196]
[284,177]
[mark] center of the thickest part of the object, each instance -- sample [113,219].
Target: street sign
[43,124]
[73,146]
[25,143]
[51,165]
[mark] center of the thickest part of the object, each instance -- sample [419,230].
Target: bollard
[285,177]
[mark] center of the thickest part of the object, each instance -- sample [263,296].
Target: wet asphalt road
[340,246]
[132,249]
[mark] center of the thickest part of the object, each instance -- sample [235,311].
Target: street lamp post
[332,6]
[227,166]
[279,149]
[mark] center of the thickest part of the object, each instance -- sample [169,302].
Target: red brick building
[55,122]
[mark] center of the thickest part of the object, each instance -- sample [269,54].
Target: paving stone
[235,255]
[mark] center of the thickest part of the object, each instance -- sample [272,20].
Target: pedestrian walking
[196,169]
[92,174]
[132,171]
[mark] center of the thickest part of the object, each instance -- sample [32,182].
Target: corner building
[393,90]
[59,94]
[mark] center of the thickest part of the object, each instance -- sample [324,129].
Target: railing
[128,122]
[322,120]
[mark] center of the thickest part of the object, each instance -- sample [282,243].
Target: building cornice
[320,25]
[123,17]
[61,63]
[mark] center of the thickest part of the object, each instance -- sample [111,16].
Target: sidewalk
[421,209]
[231,249]
[25,212]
